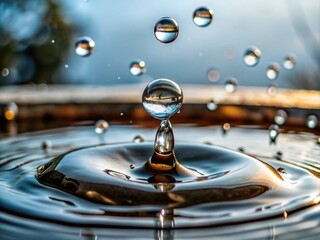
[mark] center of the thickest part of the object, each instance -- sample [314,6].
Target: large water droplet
[213,75]
[202,16]
[312,121]
[46,145]
[273,133]
[166,30]
[138,68]
[10,111]
[280,117]
[212,105]
[162,98]
[231,85]
[273,70]
[289,62]
[252,56]
[84,46]
[101,126]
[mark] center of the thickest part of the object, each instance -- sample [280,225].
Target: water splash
[273,70]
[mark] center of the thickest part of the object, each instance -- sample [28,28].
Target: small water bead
[138,139]
[10,111]
[289,62]
[137,68]
[162,98]
[231,85]
[166,30]
[46,145]
[273,133]
[213,75]
[272,89]
[101,126]
[312,121]
[5,72]
[132,166]
[212,105]
[202,16]
[225,128]
[273,70]
[280,117]
[84,46]
[252,56]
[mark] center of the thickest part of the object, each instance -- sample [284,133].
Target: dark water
[87,187]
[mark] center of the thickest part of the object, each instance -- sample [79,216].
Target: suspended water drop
[289,62]
[225,128]
[273,70]
[162,98]
[138,68]
[101,126]
[312,121]
[166,30]
[10,111]
[213,75]
[273,133]
[5,72]
[46,145]
[84,46]
[212,105]
[231,85]
[132,166]
[282,170]
[138,139]
[273,89]
[252,56]
[280,117]
[202,16]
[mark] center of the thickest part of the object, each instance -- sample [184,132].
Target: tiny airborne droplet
[231,85]
[101,126]
[212,105]
[252,56]
[137,68]
[280,117]
[273,70]
[138,139]
[166,30]
[289,62]
[213,75]
[84,46]
[202,16]
[312,121]
[273,133]
[5,72]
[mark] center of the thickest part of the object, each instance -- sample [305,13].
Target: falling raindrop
[273,70]
[280,117]
[84,46]
[273,133]
[138,139]
[166,30]
[101,126]
[10,111]
[252,56]
[213,75]
[212,105]
[231,85]
[312,121]
[289,62]
[137,68]
[202,16]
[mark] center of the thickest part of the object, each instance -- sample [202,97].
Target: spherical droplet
[46,145]
[252,56]
[202,16]
[5,72]
[162,98]
[166,30]
[132,166]
[138,68]
[231,85]
[273,132]
[138,139]
[272,89]
[312,121]
[280,117]
[273,70]
[213,75]
[101,126]
[10,111]
[84,46]
[289,62]
[212,105]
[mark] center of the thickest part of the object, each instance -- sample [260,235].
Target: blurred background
[38,38]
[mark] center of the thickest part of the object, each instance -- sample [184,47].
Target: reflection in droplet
[5,72]
[273,70]
[225,128]
[202,16]
[272,89]
[46,145]
[10,111]
[138,139]
[280,117]
[212,105]
[164,141]
[101,126]
[231,85]
[84,46]
[213,75]
[137,68]
[289,62]
[132,166]
[273,133]
[252,56]
[312,121]
[162,98]
[166,30]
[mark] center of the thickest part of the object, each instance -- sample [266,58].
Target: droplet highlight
[5,72]
[280,117]
[212,105]
[289,62]
[251,56]
[101,126]
[166,30]
[138,139]
[202,17]
[231,85]
[213,75]
[273,70]
[312,121]
[137,68]
[273,133]
[84,46]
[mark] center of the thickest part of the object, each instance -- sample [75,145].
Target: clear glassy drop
[280,117]
[137,68]
[166,30]
[162,98]
[202,16]
[225,128]
[273,70]
[212,105]
[252,56]
[289,62]
[312,121]
[231,85]
[101,126]
[273,133]
[84,46]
